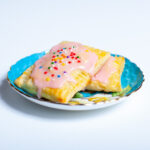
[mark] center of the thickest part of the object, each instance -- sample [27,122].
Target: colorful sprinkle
[53,56]
[69,48]
[72,57]
[61,58]
[52,75]
[63,64]
[47,79]
[69,62]
[64,56]
[49,67]
[56,68]
[52,62]
[40,67]
[87,50]
[61,49]
[55,61]
[67,56]
[64,48]
[78,57]
[57,55]
[53,52]
[73,46]
[58,76]
[64,72]
[78,61]
[60,61]
[60,52]
[45,72]
[72,54]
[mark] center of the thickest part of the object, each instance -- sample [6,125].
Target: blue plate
[131,79]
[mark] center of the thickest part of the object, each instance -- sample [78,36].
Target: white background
[30,26]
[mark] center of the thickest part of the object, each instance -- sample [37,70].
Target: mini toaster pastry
[108,78]
[66,69]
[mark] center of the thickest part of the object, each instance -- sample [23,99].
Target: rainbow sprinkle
[40,67]
[59,57]
[47,79]
[52,75]
[58,76]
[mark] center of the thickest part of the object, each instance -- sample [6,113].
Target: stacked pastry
[70,67]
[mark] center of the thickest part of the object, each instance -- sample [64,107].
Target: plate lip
[68,104]
[49,101]
[67,107]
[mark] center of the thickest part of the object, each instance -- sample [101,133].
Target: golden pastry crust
[114,82]
[67,91]
[63,94]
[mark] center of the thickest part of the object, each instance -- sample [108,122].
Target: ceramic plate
[131,80]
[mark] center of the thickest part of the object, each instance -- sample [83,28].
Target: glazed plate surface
[131,80]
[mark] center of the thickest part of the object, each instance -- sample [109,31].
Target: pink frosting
[53,69]
[105,72]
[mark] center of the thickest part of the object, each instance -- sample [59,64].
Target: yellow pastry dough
[63,94]
[114,80]
[69,88]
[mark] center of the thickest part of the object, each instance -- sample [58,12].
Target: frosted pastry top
[105,72]
[54,68]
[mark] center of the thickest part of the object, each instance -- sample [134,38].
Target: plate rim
[69,104]
[69,107]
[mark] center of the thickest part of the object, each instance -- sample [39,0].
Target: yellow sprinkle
[60,58]
[87,50]
[63,64]
[47,79]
